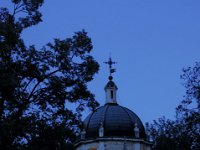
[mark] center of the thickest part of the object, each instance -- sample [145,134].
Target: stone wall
[114,145]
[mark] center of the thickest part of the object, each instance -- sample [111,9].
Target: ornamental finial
[112,70]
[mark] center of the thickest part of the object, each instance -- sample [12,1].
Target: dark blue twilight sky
[152,40]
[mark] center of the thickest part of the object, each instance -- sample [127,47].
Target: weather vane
[110,63]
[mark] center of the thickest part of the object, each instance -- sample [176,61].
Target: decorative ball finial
[110,78]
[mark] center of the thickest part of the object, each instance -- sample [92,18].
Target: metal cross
[110,63]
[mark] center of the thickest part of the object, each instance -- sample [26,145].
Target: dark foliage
[183,133]
[37,86]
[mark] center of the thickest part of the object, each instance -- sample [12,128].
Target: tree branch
[28,84]
[16,7]
[36,85]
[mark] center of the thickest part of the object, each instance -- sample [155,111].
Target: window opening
[111,94]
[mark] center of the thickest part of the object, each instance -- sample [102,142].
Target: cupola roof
[115,120]
[118,121]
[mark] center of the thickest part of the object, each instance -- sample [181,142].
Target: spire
[111,88]
[110,63]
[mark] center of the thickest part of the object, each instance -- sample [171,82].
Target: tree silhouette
[37,85]
[183,133]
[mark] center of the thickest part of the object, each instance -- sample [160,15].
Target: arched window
[111,94]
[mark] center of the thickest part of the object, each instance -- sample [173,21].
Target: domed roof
[112,119]
[110,84]
[117,121]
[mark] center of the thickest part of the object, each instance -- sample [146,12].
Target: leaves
[184,131]
[37,85]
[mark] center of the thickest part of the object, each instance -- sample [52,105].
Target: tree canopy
[182,133]
[36,85]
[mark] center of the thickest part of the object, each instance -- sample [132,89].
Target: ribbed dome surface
[117,121]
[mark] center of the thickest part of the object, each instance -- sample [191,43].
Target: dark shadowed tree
[37,85]
[183,133]
[189,109]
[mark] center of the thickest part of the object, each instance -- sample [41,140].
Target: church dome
[112,126]
[113,120]
[117,121]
